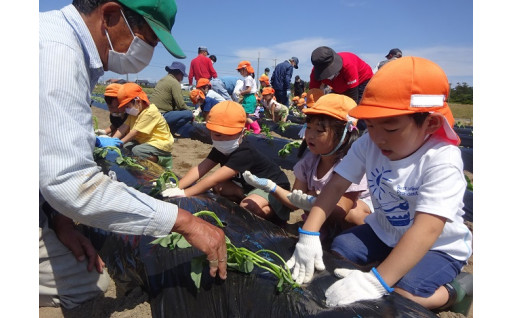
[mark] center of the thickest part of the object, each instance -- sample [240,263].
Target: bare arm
[130,136]
[220,175]
[411,248]
[121,131]
[196,173]
[326,201]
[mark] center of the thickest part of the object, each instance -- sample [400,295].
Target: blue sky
[439,30]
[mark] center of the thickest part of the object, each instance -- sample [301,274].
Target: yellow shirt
[152,128]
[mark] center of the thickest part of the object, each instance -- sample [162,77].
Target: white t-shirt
[236,91]
[250,82]
[431,180]
[213,94]
[268,105]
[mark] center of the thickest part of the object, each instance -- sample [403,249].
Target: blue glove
[102,141]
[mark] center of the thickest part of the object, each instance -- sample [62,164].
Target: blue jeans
[282,97]
[177,119]
[218,87]
[362,246]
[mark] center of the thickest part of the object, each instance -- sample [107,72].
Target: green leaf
[181,242]
[196,269]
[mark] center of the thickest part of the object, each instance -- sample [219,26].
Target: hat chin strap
[339,143]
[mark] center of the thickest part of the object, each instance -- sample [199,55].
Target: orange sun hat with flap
[313,95]
[333,105]
[408,85]
[128,92]
[226,117]
[112,89]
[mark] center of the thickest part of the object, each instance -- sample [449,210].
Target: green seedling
[95,122]
[287,149]
[238,258]
[161,182]
[283,125]
[470,184]
[266,131]
[101,152]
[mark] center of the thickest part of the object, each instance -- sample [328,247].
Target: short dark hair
[213,58]
[88,6]
[419,118]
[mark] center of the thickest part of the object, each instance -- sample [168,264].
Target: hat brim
[369,112]
[296,66]
[223,129]
[166,38]
[323,72]
[168,69]
[313,111]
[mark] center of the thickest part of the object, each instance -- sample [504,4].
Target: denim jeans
[282,97]
[177,119]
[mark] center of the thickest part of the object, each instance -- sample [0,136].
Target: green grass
[462,113]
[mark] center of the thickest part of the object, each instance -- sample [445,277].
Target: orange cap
[203,82]
[243,64]
[195,94]
[226,117]
[301,102]
[267,91]
[419,85]
[129,91]
[295,98]
[303,95]
[250,69]
[313,95]
[112,90]
[263,78]
[333,105]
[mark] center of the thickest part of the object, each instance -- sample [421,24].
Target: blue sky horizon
[273,31]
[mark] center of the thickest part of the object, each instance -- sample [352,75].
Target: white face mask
[137,57]
[132,111]
[227,146]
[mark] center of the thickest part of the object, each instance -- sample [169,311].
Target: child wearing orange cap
[416,235]
[277,111]
[205,86]
[330,133]
[145,132]
[226,123]
[248,94]
[205,103]
[311,98]
[117,117]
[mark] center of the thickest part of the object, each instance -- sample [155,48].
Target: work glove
[173,193]
[266,185]
[196,112]
[100,132]
[168,185]
[103,141]
[307,257]
[355,286]
[301,200]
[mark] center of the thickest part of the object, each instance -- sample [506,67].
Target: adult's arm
[312,82]
[177,98]
[191,73]
[288,77]
[69,178]
[352,93]
[213,73]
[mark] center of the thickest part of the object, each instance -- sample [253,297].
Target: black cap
[393,52]
[213,58]
[267,69]
[326,62]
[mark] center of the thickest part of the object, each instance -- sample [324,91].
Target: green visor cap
[159,14]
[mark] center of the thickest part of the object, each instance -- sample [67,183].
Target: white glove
[168,185]
[301,200]
[173,193]
[307,257]
[355,286]
[196,112]
[100,132]
[266,185]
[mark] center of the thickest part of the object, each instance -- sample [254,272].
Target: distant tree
[462,94]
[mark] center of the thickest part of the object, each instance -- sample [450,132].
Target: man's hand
[104,141]
[307,257]
[80,246]
[207,238]
[355,286]
[301,200]
[266,185]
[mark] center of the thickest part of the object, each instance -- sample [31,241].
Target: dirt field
[187,153]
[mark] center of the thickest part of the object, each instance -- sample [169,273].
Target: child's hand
[266,185]
[307,257]
[104,141]
[196,112]
[355,286]
[301,200]
[173,193]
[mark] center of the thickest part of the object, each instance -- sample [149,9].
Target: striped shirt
[69,178]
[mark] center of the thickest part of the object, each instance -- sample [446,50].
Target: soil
[187,153]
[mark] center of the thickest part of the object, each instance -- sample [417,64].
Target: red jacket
[201,67]
[354,72]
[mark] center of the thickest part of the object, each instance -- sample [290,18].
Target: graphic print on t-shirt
[394,207]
